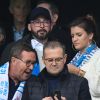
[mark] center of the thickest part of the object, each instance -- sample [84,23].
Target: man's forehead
[53,50]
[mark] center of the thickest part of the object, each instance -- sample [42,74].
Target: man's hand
[47,98]
[62,98]
[55,98]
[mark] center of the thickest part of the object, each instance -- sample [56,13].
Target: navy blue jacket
[71,86]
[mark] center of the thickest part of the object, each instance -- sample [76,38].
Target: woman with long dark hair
[86,62]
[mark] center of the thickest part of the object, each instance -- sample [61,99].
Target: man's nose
[53,62]
[31,66]
[41,24]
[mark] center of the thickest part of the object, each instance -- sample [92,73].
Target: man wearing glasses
[57,82]
[14,73]
[39,25]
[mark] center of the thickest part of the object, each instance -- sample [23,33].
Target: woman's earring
[94,42]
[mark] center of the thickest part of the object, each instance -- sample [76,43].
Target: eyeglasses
[57,60]
[37,23]
[28,63]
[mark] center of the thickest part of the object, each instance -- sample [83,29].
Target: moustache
[42,30]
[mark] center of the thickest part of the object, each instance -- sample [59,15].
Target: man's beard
[41,34]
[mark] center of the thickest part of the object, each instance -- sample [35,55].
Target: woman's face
[80,38]
[20,12]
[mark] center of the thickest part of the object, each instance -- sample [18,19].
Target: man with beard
[59,30]
[39,26]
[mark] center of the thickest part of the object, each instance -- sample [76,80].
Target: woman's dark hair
[87,23]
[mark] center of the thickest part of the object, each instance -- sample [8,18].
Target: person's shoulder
[77,79]
[98,51]
[33,82]
[10,44]
[33,77]
[96,55]
[28,36]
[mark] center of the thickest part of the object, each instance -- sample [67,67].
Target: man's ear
[65,57]
[29,27]
[12,59]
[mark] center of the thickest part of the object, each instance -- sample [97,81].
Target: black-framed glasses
[51,60]
[28,62]
[37,23]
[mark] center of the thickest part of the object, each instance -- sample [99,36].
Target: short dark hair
[54,44]
[18,48]
[53,7]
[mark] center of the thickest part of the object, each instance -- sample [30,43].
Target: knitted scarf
[80,59]
[4,84]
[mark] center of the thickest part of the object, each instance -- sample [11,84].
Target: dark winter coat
[71,86]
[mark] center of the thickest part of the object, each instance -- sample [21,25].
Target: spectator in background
[19,10]
[14,73]
[2,35]
[40,27]
[58,32]
[87,61]
[2,39]
[54,12]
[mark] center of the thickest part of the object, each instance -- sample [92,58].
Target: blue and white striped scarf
[4,84]
[80,59]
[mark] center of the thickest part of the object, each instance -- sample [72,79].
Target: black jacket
[71,86]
